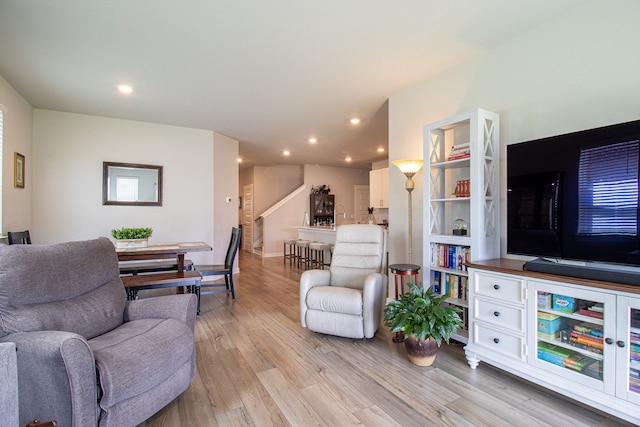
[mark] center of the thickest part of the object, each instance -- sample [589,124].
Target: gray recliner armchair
[348,299]
[86,356]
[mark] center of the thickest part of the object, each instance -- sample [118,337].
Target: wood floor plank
[333,411]
[290,402]
[256,366]
[258,404]
[236,417]
[373,416]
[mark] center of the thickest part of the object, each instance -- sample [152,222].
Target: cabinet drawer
[498,342]
[504,288]
[498,314]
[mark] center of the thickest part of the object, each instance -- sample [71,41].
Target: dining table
[154,251]
[158,251]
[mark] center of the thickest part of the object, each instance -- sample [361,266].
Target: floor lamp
[409,168]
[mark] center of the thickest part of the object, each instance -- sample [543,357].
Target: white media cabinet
[587,354]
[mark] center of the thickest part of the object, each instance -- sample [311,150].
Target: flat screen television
[575,196]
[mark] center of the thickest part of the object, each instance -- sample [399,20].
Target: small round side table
[403,271]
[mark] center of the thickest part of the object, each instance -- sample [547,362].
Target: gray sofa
[8,385]
[86,356]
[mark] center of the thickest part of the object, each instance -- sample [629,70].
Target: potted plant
[132,237]
[425,321]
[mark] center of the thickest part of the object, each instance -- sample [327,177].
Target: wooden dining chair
[19,237]
[225,270]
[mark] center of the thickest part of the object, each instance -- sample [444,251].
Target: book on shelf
[592,313]
[464,315]
[452,285]
[587,340]
[587,328]
[452,257]
[460,151]
[569,359]
[577,362]
[599,307]
[459,156]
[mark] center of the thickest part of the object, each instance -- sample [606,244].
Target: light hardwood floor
[256,366]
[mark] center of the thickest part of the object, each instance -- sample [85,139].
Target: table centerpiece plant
[136,237]
[425,320]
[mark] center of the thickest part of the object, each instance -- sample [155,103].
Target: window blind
[608,189]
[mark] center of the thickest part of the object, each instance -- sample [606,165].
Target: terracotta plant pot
[421,353]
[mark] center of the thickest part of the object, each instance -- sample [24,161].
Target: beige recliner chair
[348,299]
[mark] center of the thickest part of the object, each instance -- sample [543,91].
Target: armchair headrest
[360,250]
[72,286]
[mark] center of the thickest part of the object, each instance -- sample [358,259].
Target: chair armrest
[56,378]
[180,306]
[374,296]
[308,280]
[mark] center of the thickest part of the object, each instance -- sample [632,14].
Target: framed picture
[18,170]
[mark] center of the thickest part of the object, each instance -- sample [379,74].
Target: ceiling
[270,74]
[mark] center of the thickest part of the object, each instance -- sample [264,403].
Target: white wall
[578,71]
[272,183]
[284,222]
[225,185]
[18,122]
[68,151]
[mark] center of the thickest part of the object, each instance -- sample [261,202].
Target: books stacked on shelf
[596,311]
[450,256]
[587,337]
[453,285]
[569,359]
[553,353]
[460,151]
[634,362]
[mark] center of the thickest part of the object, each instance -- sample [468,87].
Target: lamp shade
[408,167]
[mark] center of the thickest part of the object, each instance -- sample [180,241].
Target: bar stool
[302,253]
[402,272]
[316,254]
[289,250]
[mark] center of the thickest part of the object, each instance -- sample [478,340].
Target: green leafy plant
[422,312]
[131,233]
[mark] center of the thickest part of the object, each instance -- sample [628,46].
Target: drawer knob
[496,287]
[608,341]
[496,340]
[620,344]
[496,313]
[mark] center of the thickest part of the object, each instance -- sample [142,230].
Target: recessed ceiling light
[355,121]
[380,150]
[348,159]
[125,88]
[313,140]
[286,152]
[239,160]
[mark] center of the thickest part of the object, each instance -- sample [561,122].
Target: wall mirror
[129,184]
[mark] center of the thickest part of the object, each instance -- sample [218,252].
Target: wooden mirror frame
[133,166]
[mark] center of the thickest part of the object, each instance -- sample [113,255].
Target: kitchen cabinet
[379,188]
